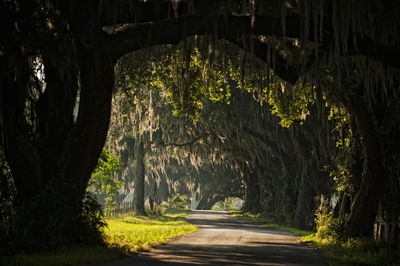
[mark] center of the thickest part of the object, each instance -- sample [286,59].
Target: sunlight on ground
[127,232]
[137,232]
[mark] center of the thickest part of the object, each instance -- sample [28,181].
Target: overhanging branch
[183,144]
[231,28]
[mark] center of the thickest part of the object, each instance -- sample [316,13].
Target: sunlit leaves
[102,179]
[290,103]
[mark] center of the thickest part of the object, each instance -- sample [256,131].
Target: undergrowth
[329,241]
[341,250]
[354,251]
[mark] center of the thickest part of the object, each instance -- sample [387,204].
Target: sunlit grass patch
[354,251]
[270,223]
[125,233]
[137,232]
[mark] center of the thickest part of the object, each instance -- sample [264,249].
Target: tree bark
[139,178]
[374,178]
[50,155]
[304,205]
[252,193]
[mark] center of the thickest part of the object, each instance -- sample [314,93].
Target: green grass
[354,251]
[270,223]
[138,232]
[124,234]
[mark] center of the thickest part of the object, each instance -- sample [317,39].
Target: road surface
[224,240]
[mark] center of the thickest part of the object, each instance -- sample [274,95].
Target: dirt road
[224,240]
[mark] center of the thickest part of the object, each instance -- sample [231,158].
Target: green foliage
[102,179]
[290,103]
[156,211]
[354,251]
[92,218]
[179,202]
[328,227]
[184,75]
[330,240]
[229,204]
[345,165]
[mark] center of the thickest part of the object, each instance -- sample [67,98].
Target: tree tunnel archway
[50,154]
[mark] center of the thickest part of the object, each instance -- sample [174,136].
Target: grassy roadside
[269,223]
[138,232]
[124,235]
[350,252]
[354,251]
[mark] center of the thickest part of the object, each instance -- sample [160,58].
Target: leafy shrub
[158,210]
[164,205]
[92,218]
[102,179]
[178,201]
[328,227]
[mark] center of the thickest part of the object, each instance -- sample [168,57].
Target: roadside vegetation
[228,204]
[327,241]
[139,232]
[124,234]
[353,251]
[270,223]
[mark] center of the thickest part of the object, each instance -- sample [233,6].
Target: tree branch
[231,28]
[163,28]
[182,144]
[129,11]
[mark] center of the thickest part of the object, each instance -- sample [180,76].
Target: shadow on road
[224,240]
[265,254]
[224,220]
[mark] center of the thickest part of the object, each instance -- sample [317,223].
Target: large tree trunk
[51,155]
[252,193]
[304,204]
[366,203]
[139,178]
